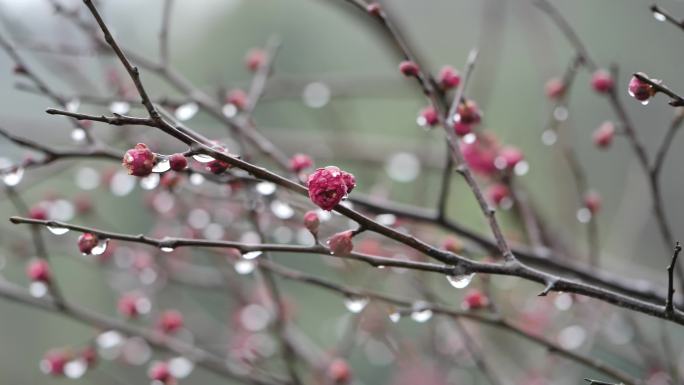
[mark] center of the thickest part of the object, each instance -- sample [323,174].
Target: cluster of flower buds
[329,185]
[486,156]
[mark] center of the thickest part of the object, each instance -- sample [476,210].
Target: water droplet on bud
[13,176]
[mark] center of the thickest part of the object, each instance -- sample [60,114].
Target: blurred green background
[370,117]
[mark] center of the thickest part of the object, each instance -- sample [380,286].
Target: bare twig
[669,305]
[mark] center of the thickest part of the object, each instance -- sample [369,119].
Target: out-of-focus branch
[669,305]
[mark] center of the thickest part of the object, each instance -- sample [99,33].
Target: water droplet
[316,95]
[254,317]
[150,182]
[403,167]
[421,121]
[229,110]
[584,215]
[61,210]
[109,344]
[199,218]
[136,351]
[38,289]
[75,369]
[100,248]
[78,135]
[13,176]
[163,165]
[645,102]
[572,337]
[282,210]
[549,137]
[395,316]
[469,138]
[186,111]
[120,108]
[180,367]
[355,304]
[386,219]
[421,312]
[266,188]
[196,179]
[72,105]
[521,168]
[202,158]
[251,255]
[563,301]
[659,16]
[87,178]
[167,249]
[560,113]
[122,184]
[460,281]
[57,230]
[244,267]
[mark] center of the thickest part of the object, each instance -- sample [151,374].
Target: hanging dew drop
[395,316]
[186,111]
[421,313]
[162,165]
[251,255]
[78,135]
[202,158]
[266,188]
[58,230]
[355,304]
[167,249]
[75,369]
[150,182]
[645,102]
[244,267]
[13,176]
[100,248]
[38,289]
[120,108]
[460,281]
[549,137]
[659,16]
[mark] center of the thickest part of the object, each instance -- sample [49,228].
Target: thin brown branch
[669,305]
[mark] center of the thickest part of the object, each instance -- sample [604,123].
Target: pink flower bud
[328,186]
[178,162]
[640,90]
[128,305]
[468,113]
[475,299]
[429,116]
[408,68]
[38,270]
[449,78]
[311,221]
[452,244]
[86,243]
[509,156]
[38,212]
[83,204]
[171,321]
[54,361]
[341,243]
[497,193]
[374,9]
[462,129]
[300,162]
[555,88]
[139,160]
[159,371]
[602,81]
[238,98]
[255,58]
[89,355]
[603,136]
[339,371]
[217,166]
[592,201]
[480,155]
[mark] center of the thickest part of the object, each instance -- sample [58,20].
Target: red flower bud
[603,136]
[374,9]
[217,166]
[640,90]
[159,371]
[128,305]
[428,116]
[38,270]
[255,58]
[497,193]
[449,78]
[86,242]
[341,243]
[408,68]
[481,154]
[327,186]
[592,201]
[139,160]
[178,162]
[238,98]
[462,129]
[54,362]
[468,113]
[452,244]
[509,156]
[171,321]
[555,88]
[339,371]
[89,355]
[475,299]
[38,212]
[300,162]
[602,81]
[311,221]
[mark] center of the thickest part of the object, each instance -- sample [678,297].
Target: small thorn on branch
[597,382]
[549,286]
[669,304]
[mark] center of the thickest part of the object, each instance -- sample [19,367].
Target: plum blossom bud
[508,157]
[602,81]
[481,154]
[217,166]
[452,244]
[640,90]
[341,243]
[468,113]
[449,78]
[603,136]
[171,321]
[178,162]
[255,58]
[555,88]
[54,361]
[312,222]
[238,98]
[328,186]
[139,160]
[475,299]
[38,212]
[428,116]
[159,371]
[86,242]
[408,68]
[374,9]
[497,193]
[38,270]
[339,371]
[300,162]
[128,305]
[592,201]
[462,129]
[89,355]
